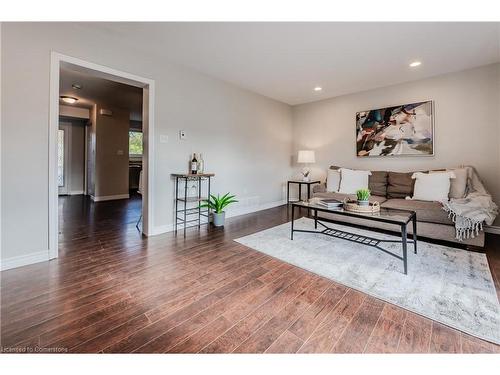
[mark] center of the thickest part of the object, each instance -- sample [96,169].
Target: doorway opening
[100,148]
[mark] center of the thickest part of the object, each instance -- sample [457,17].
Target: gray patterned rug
[449,285]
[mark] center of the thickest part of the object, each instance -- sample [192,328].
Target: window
[135,143]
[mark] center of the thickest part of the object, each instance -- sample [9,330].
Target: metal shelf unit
[187,217]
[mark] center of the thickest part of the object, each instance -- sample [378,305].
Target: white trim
[109,197]
[76,192]
[24,260]
[148,86]
[249,210]
[161,229]
[492,229]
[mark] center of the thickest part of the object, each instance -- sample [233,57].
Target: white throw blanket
[471,212]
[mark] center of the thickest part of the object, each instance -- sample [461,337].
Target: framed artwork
[402,130]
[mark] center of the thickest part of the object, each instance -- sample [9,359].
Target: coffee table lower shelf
[364,240]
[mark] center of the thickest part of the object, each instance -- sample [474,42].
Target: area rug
[449,285]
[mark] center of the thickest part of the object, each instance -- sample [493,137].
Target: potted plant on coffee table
[217,204]
[363,196]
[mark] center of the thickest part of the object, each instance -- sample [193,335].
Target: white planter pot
[219,219]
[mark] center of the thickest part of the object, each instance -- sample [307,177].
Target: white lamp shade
[306,156]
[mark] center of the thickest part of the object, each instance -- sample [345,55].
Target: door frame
[148,110]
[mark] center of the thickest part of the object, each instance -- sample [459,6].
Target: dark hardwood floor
[112,290]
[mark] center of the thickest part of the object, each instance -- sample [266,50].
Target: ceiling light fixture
[317,88]
[68,99]
[76,86]
[415,63]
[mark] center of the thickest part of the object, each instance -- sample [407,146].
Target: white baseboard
[160,229]
[109,197]
[76,192]
[492,229]
[248,210]
[24,260]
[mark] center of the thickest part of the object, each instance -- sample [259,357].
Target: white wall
[467,125]
[245,138]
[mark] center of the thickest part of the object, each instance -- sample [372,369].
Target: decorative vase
[363,203]
[219,219]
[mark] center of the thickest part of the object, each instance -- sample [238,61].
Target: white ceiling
[99,90]
[285,61]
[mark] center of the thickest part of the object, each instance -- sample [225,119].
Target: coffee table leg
[404,237]
[415,232]
[293,211]
[315,219]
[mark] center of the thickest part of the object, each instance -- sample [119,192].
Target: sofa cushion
[341,196]
[399,185]
[429,212]
[377,183]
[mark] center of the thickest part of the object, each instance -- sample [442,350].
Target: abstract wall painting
[403,130]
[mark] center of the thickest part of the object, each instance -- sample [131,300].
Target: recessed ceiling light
[317,88]
[415,63]
[68,99]
[76,86]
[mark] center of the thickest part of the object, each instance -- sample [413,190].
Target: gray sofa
[390,190]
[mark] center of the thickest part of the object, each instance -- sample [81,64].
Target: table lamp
[306,157]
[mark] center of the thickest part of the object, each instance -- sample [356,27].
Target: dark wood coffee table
[386,215]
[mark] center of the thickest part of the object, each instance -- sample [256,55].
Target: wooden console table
[191,216]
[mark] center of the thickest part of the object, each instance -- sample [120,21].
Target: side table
[300,183]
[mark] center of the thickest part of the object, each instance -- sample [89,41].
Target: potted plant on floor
[217,204]
[363,196]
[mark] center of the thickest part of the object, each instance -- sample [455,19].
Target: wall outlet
[182,134]
[163,138]
[119,152]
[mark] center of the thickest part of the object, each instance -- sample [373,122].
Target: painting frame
[431,124]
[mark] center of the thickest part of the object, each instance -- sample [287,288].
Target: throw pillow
[351,180]
[458,187]
[333,180]
[399,185]
[377,183]
[432,186]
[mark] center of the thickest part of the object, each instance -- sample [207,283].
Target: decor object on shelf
[194,164]
[363,196]
[403,130]
[306,157]
[201,164]
[217,204]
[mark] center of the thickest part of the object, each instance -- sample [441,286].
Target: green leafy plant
[363,194]
[218,203]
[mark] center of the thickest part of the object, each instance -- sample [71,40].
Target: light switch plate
[182,134]
[163,138]
[119,152]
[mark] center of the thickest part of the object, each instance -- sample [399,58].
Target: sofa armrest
[321,188]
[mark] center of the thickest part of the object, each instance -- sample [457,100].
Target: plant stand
[185,216]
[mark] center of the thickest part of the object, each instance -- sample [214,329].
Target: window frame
[142,138]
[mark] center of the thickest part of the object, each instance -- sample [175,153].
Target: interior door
[62,159]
